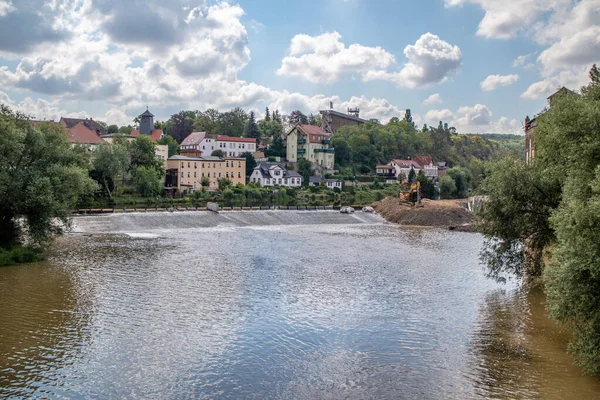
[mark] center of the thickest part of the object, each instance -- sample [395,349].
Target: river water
[274,304]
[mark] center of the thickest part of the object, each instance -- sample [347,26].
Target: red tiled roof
[79,133]
[193,139]
[423,160]
[155,135]
[384,167]
[225,138]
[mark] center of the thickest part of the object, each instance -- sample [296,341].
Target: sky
[480,65]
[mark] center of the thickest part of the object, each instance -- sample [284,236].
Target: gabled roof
[423,160]
[384,167]
[155,135]
[80,133]
[311,130]
[407,163]
[88,122]
[225,138]
[265,169]
[347,116]
[194,139]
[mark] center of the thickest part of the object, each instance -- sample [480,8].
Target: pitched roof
[384,167]
[79,133]
[423,160]
[89,123]
[155,135]
[264,170]
[147,114]
[407,163]
[225,138]
[311,130]
[347,116]
[194,139]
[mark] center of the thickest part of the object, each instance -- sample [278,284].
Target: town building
[429,168]
[89,123]
[387,172]
[403,167]
[530,124]
[333,184]
[312,143]
[334,120]
[79,131]
[271,174]
[442,168]
[202,143]
[190,171]
[396,168]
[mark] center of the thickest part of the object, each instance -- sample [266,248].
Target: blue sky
[482,64]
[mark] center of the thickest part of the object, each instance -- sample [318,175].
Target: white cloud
[40,109]
[431,60]
[582,48]
[325,59]
[478,115]
[433,99]
[379,108]
[573,78]
[492,82]
[6,7]
[434,116]
[479,119]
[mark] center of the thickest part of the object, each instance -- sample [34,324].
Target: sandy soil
[441,213]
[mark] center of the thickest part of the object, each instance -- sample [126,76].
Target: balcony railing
[301,141]
[301,151]
[324,150]
[325,141]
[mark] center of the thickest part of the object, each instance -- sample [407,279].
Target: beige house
[308,142]
[191,170]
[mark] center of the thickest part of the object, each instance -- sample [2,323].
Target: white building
[235,146]
[403,167]
[333,184]
[271,174]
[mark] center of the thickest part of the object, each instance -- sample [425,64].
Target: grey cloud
[21,31]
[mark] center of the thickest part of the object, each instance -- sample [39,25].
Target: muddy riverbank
[451,214]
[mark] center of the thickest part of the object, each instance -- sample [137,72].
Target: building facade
[271,174]
[235,146]
[334,120]
[312,143]
[191,170]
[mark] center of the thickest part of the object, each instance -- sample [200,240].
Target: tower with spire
[146,122]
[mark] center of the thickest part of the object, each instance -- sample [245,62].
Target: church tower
[146,122]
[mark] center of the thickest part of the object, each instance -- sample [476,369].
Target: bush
[19,255]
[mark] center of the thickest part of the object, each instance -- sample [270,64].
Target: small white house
[333,183]
[271,174]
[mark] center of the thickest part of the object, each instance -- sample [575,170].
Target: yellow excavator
[411,193]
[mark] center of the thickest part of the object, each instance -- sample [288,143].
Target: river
[274,304]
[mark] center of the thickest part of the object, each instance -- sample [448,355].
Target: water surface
[274,304]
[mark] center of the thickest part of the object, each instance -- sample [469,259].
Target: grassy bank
[19,255]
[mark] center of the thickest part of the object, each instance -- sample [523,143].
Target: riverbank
[451,214]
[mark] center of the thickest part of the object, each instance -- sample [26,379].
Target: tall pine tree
[267,114]
[252,130]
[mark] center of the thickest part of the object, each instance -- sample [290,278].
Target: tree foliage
[552,208]
[41,178]
[148,181]
[171,142]
[217,153]
[110,164]
[180,125]
[250,163]
[252,130]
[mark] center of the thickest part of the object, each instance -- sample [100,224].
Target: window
[214,174]
[214,165]
[239,163]
[219,174]
[227,175]
[189,164]
[188,174]
[239,174]
[195,166]
[182,165]
[182,174]
[203,174]
[227,164]
[194,174]
[279,181]
[285,181]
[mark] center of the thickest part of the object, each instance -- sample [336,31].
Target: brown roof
[193,139]
[155,135]
[311,130]
[88,122]
[407,163]
[423,160]
[384,167]
[259,154]
[225,138]
[80,133]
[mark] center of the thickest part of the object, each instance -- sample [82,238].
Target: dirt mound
[443,213]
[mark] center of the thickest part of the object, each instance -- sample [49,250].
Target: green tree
[217,153]
[41,179]
[267,115]
[205,182]
[181,125]
[305,169]
[297,117]
[111,163]
[250,163]
[112,129]
[171,142]
[277,148]
[408,117]
[412,176]
[225,183]
[462,180]
[148,181]
[125,130]
[232,122]
[252,130]
[447,187]
[143,154]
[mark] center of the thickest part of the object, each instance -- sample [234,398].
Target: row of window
[189,164]
[189,175]
[232,145]
[279,181]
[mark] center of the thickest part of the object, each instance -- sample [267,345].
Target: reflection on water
[273,305]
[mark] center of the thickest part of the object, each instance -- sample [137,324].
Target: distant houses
[202,143]
[395,168]
[312,143]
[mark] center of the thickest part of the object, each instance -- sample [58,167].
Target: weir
[156,221]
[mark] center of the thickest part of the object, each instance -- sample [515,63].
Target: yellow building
[191,170]
[308,142]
